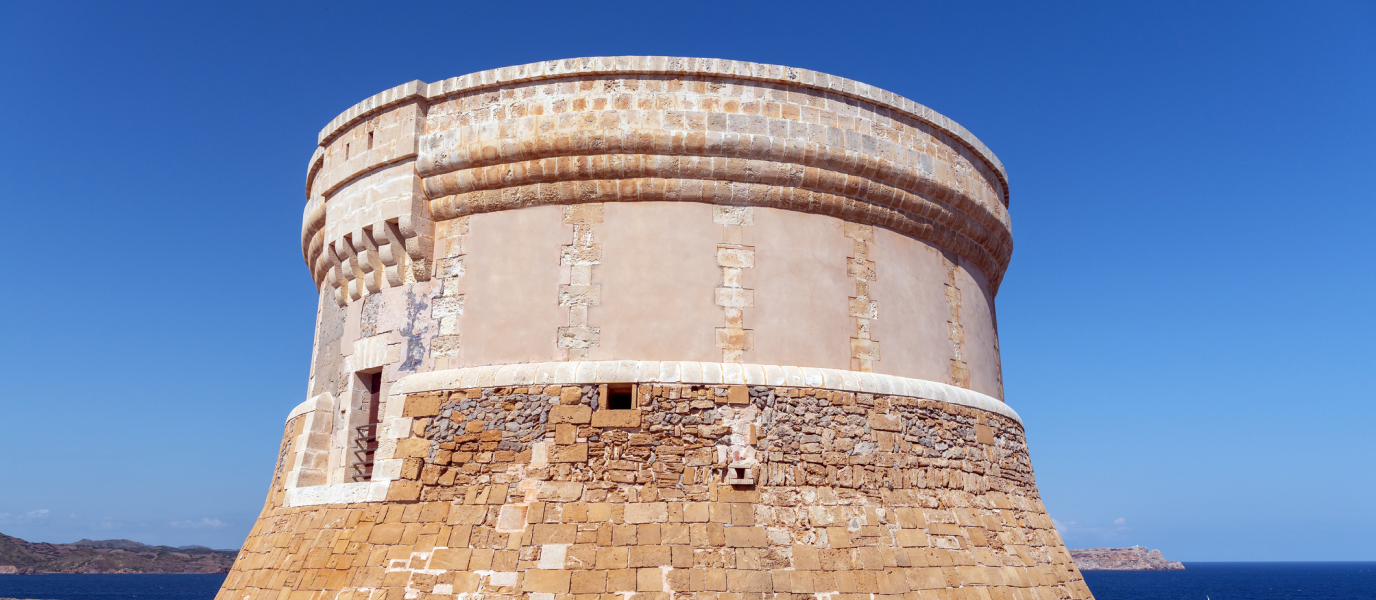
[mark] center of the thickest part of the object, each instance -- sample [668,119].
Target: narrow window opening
[365,436]
[346,152]
[620,397]
[370,140]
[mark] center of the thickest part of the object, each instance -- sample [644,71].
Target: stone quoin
[650,328]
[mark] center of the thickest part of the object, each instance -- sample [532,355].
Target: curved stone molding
[619,129]
[710,191]
[702,373]
[629,154]
[661,65]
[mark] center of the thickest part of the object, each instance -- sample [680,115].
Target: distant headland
[109,556]
[1136,558]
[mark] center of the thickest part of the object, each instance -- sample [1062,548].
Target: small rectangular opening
[620,396]
[370,140]
[365,436]
[374,393]
[346,152]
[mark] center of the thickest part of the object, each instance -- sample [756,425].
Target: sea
[1199,581]
[1240,581]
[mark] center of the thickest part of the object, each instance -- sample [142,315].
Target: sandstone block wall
[788,278]
[543,492]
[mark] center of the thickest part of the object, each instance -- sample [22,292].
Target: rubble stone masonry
[627,315]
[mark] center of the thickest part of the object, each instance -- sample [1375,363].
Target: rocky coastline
[1136,558]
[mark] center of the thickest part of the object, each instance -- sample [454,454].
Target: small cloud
[204,523]
[33,516]
[103,524]
[1120,521]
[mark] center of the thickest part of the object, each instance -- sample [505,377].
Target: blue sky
[1186,325]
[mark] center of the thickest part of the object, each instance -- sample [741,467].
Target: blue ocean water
[1216,581]
[1239,581]
[111,587]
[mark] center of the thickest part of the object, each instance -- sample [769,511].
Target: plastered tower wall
[653,327]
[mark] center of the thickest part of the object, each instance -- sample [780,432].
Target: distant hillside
[109,556]
[1135,558]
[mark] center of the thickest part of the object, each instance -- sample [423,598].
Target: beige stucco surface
[801,315]
[657,274]
[981,338]
[511,306]
[910,290]
[454,206]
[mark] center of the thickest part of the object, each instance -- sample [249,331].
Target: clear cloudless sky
[1186,326]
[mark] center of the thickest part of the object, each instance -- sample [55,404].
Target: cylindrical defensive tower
[656,327]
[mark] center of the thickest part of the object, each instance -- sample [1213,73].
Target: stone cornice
[671,66]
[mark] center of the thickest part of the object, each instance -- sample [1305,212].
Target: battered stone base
[536,493]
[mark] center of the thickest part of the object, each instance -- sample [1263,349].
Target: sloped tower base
[854,496]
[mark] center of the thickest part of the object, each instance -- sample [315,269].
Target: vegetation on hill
[109,556]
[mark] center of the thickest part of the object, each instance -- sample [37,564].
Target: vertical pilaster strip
[580,257]
[732,296]
[960,370]
[864,351]
[448,307]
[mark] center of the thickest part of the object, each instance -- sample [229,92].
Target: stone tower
[650,328]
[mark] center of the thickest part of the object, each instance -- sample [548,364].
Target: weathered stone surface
[518,240]
[869,511]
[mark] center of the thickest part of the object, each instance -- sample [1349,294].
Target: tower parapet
[653,326]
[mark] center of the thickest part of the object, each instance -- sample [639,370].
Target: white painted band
[703,373]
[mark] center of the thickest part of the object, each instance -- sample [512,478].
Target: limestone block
[649,580]
[621,580]
[412,448]
[649,556]
[647,512]
[910,538]
[386,534]
[746,537]
[565,433]
[588,582]
[450,559]
[512,517]
[984,434]
[577,415]
[404,491]
[749,581]
[423,405]
[554,582]
[616,418]
[464,582]
[567,454]
[560,491]
[885,422]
